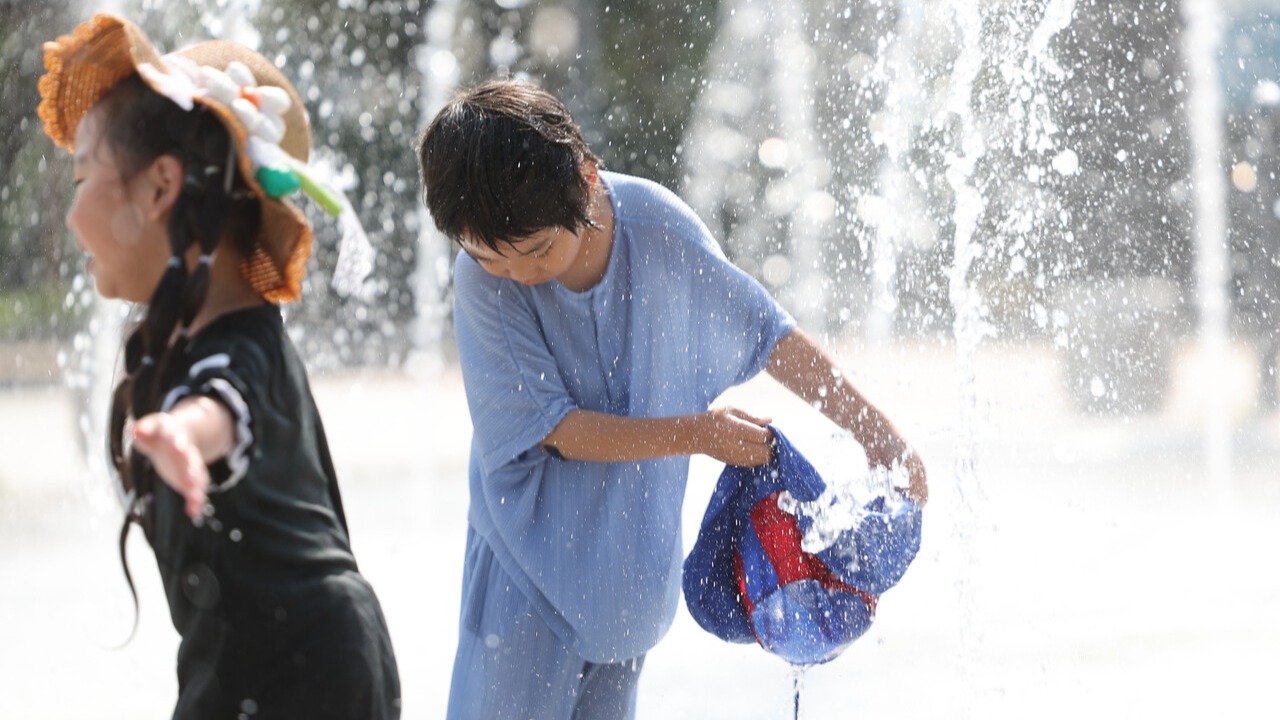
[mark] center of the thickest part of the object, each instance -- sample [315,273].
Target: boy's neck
[597,245]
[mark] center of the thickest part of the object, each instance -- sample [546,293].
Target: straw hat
[260,108]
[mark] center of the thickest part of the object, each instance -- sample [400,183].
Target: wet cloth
[595,547]
[275,618]
[506,645]
[747,579]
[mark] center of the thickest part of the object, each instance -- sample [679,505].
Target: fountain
[1202,41]
[969,204]
[758,112]
[894,212]
[437,64]
[1004,213]
[971,93]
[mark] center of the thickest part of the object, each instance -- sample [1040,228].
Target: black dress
[275,618]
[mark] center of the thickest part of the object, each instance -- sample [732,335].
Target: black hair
[502,161]
[139,126]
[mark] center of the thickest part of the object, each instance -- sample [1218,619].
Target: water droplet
[1067,162]
[1244,177]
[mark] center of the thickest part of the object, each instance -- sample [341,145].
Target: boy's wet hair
[502,161]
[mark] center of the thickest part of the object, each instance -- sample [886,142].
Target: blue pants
[511,666]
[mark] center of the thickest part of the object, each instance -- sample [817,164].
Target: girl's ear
[160,185]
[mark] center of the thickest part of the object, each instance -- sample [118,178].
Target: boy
[596,321]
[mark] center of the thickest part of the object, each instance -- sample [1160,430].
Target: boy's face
[545,255]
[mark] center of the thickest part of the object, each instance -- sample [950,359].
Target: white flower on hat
[178,84]
[260,109]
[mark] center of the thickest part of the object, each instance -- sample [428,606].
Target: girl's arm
[182,442]
[726,434]
[805,368]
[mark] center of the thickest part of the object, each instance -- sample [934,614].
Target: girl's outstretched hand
[182,442]
[174,456]
[168,445]
[735,437]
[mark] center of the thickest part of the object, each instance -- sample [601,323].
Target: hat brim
[81,68]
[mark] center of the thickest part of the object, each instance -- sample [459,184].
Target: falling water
[92,362]
[90,368]
[810,206]
[797,687]
[756,173]
[438,67]
[969,204]
[897,207]
[1026,137]
[1204,107]
[965,296]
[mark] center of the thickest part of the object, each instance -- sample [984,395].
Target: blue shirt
[673,324]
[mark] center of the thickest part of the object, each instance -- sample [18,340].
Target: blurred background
[1045,234]
[839,149]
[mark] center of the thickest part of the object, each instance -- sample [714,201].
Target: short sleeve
[515,392]
[214,378]
[738,321]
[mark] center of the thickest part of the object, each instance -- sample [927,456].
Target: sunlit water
[1072,564]
[435,62]
[1107,580]
[1205,109]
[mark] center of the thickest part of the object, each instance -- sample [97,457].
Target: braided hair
[139,126]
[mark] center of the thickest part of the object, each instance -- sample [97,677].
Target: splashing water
[896,211]
[90,369]
[843,506]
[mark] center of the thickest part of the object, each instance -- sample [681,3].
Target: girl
[181,165]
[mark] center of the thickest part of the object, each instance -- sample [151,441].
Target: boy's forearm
[800,364]
[808,371]
[601,437]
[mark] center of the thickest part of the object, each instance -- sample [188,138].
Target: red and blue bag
[747,578]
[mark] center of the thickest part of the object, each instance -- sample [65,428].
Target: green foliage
[35,182]
[649,73]
[32,311]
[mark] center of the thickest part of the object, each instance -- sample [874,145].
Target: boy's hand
[886,454]
[735,437]
[177,460]
[918,489]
